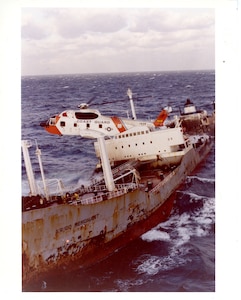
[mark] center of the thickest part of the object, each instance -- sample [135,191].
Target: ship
[141,165]
[197,120]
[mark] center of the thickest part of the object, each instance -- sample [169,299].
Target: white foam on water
[176,232]
[200,232]
[155,235]
[125,285]
[202,179]
[152,264]
[194,196]
[82,181]
[184,235]
[25,188]
[195,224]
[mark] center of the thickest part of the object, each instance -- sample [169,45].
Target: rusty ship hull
[69,236]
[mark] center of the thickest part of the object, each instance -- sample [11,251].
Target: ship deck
[97,192]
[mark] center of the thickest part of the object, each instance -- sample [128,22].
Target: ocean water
[175,256]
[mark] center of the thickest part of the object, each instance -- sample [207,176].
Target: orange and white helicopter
[90,123]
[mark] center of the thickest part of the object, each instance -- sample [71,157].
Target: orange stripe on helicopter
[161,118]
[119,124]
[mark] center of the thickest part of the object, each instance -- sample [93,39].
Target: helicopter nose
[50,128]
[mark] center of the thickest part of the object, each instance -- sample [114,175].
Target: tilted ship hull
[73,235]
[74,230]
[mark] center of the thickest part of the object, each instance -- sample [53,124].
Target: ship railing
[156,189]
[121,189]
[54,186]
[125,166]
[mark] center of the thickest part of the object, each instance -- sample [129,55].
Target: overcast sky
[91,40]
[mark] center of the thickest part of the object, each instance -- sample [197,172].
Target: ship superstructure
[166,145]
[196,120]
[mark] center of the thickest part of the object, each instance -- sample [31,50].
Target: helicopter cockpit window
[85,115]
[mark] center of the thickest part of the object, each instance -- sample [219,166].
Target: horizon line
[117,72]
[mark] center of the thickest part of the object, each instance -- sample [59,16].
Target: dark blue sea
[175,256]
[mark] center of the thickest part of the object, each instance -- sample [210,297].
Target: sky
[102,40]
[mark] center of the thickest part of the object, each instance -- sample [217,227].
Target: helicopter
[90,123]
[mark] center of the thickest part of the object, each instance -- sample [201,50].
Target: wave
[191,196]
[152,264]
[127,284]
[201,179]
[155,235]
[188,202]
[176,235]
[205,215]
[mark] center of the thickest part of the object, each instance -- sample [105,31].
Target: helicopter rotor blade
[91,99]
[133,95]
[143,97]
[113,101]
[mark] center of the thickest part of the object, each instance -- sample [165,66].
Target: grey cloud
[155,22]
[95,23]
[32,31]
[72,23]
[173,20]
[89,40]
[106,23]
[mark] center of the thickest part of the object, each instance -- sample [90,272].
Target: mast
[31,180]
[129,93]
[108,176]
[38,153]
